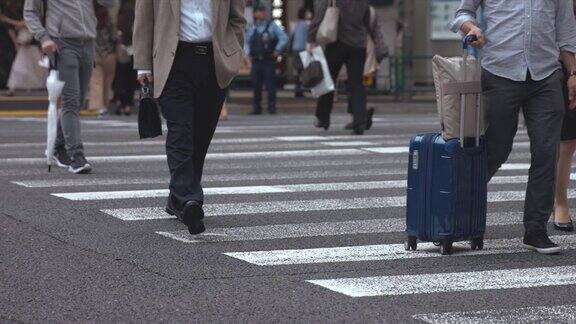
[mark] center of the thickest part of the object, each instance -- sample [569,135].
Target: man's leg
[69,66]
[177,102]
[543,113]
[335,60]
[270,81]
[502,101]
[257,83]
[208,105]
[355,68]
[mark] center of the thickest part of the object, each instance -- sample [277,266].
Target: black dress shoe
[193,215]
[369,118]
[322,124]
[349,126]
[358,130]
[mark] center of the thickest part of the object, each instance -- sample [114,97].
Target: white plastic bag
[327,85]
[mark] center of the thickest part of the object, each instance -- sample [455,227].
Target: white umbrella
[54,86]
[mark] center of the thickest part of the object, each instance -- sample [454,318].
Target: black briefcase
[149,122]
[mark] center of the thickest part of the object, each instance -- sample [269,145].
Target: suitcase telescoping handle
[468,40]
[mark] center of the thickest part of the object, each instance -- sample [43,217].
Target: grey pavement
[304,226]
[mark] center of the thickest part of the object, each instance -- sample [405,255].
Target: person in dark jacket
[349,50]
[265,42]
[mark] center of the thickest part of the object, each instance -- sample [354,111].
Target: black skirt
[569,124]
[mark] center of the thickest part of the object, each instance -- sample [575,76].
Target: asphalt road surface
[303,226]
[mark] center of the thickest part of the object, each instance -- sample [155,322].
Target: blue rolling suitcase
[447,188]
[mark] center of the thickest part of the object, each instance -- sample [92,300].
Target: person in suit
[191,50]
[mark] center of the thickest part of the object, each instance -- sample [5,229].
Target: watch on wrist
[572,74]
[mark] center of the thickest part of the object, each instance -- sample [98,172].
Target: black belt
[196,48]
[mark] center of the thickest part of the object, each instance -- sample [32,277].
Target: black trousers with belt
[191,103]
[338,54]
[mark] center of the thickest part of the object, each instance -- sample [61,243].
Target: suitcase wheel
[411,243]
[446,247]
[477,243]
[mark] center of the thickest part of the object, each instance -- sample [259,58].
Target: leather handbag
[312,75]
[328,29]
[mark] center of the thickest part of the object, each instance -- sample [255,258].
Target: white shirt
[196,21]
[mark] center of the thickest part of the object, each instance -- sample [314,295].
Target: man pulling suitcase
[521,46]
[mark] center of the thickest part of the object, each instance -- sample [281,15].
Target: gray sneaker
[79,165]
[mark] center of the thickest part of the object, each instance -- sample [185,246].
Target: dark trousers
[543,106]
[124,84]
[264,74]
[338,54]
[191,102]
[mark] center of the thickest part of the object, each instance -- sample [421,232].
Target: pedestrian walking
[522,43]
[349,49]
[376,51]
[73,41]
[105,62]
[125,83]
[191,50]
[561,215]
[298,44]
[265,42]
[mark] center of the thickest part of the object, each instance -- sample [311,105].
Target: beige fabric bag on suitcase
[328,29]
[451,81]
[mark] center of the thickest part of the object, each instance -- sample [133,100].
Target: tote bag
[328,29]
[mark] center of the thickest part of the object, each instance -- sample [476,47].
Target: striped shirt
[522,35]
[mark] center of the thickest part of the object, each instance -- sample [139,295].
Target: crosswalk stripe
[267,207]
[313,187]
[300,230]
[210,156]
[542,314]
[245,190]
[450,282]
[386,252]
[316,174]
[233,155]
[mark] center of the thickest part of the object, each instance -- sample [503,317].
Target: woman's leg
[561,209]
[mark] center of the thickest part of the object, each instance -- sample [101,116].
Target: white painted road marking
[243,190]
[545,314]
[320,174]
[278,207]
[450,282]
[386,252]
[313,187]
[285,231]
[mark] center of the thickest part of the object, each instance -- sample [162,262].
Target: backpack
[263,44]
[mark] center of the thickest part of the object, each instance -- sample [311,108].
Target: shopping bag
[328,29]
[327,84]
[312,75]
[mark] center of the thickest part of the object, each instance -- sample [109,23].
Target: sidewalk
[240,101]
